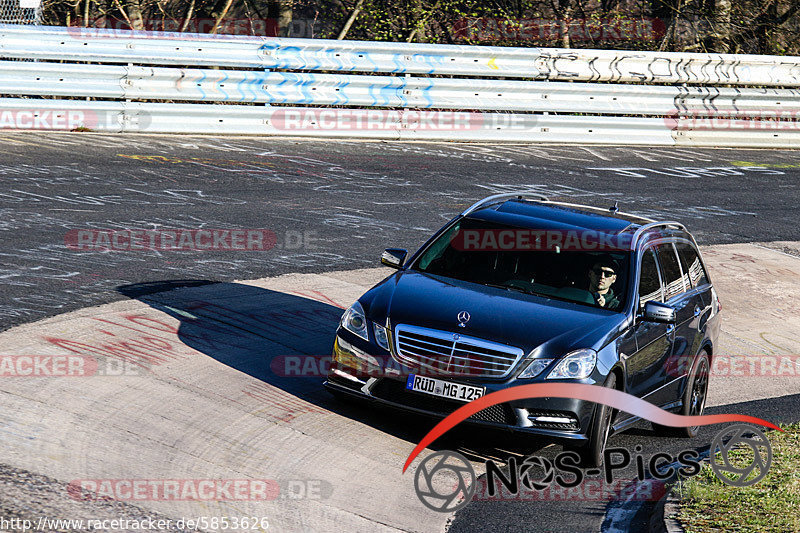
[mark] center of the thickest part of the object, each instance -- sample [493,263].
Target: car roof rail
[497,198]
[647,227]
[522,195]
[646,220]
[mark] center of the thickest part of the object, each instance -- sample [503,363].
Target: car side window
[649,282]
[690,260]
[673,277]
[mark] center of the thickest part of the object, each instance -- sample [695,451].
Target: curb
[656,524]
[661,520]
[669,507]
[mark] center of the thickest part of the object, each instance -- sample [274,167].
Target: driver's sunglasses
[603,273]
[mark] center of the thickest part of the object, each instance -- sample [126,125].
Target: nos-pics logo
[445,481]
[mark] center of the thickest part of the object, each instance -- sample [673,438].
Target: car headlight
[353,320]
[381,337]
[534,368]
[575,365]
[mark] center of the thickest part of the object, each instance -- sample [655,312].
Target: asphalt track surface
[333,205]
[354,199]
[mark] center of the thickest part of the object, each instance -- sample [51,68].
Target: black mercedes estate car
[518,289]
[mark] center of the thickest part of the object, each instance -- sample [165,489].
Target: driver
[602,276]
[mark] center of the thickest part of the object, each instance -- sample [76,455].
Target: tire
[694,398]
[592,453]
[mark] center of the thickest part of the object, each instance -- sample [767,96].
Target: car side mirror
[394,257]
[658,312]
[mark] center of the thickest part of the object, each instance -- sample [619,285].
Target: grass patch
[773,504]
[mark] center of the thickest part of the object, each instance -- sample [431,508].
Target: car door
[644,368]
[692,310]
[679,294]
[692,265]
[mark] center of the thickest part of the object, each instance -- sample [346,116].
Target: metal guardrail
[147,117]
[315,122]
[156,83]
[398,91]
[153,48]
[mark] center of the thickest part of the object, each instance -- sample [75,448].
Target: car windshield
[545,263]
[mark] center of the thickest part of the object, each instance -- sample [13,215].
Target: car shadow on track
[265,334]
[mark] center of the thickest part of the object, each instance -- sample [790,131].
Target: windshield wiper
[507,287]
[532,293]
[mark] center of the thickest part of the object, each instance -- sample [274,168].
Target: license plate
[444,389]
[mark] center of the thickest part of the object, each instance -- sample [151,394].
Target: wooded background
[739,26]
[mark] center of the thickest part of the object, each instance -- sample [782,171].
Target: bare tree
[564,10]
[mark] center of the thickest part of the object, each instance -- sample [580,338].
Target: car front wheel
[592,453]
[694,398]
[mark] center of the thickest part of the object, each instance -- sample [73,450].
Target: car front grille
[447,353]
[395,392]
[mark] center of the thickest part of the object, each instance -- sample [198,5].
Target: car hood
[515,319]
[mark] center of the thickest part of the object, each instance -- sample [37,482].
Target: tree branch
[221,16]
[350,20]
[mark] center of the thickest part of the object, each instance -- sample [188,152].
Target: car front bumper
[558,418]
